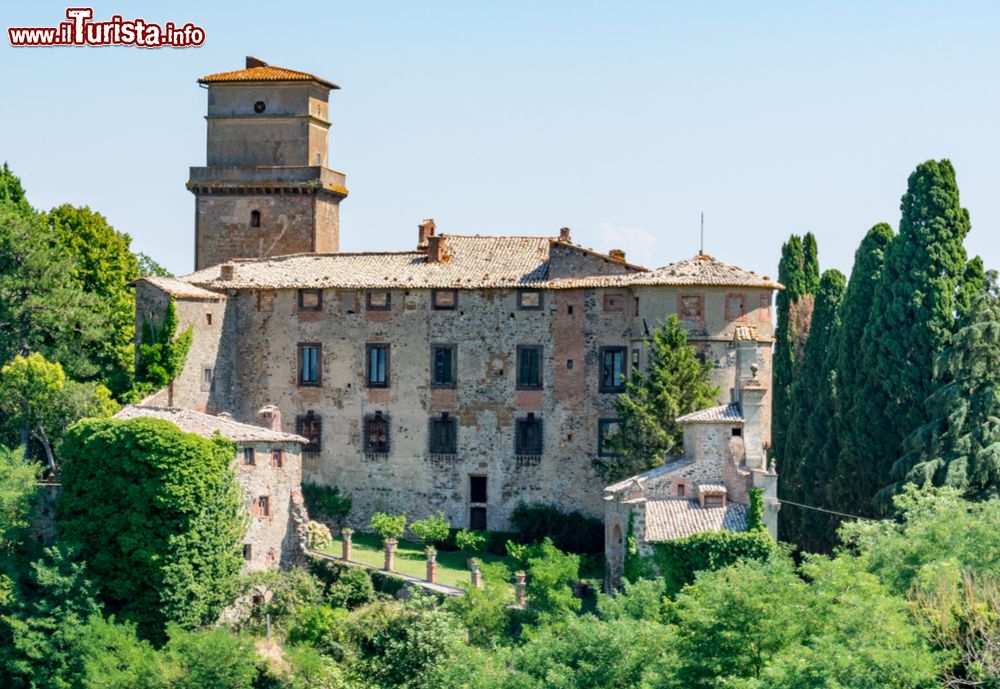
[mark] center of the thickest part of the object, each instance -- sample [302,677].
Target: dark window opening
[208,319]
[264,506]
[444,299]
[254,218]
[613,364]
[569,309]
[277,458]
[309,364]
[529,367]
[477,489]
[444,435]
[530,299]
[680,490]
[443,365]
[606,430]
[247,552]
[377,433]
[477,518]
[310,300]
[737,432]
[377,365]
[310,427]
[528,436]
[378,301]
[569,363]
[248,456]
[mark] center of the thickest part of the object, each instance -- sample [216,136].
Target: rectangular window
[206,377]
[528,436]
[477,489]
[713,500]
[606,429]
[736,306]
[247,552]
[248,456]
[264,506]
[277,458]
[444,435]
[309,364]
[377,433]
[265,301]
[444,299]
[310,427]
[613,363]
[529,367]
[764,314]
[690,307]
[529,299]
[377,365]
[208,319]
[310,300]
[614,303]
[443,365]
[477,518]
[379,300]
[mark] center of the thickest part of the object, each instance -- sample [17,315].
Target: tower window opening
[254,218]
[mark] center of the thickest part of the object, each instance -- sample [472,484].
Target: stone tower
[266,189]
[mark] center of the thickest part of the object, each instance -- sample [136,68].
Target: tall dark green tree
[674,383]
[960,445]
[798,271]
[925,279]
[804,464]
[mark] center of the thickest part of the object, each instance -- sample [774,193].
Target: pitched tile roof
[705,270]
[676,518]
[649,474]
[264,72]
[707,488]
[180,289]
[206,425]
[726,413]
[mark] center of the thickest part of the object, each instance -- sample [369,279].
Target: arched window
[254,218]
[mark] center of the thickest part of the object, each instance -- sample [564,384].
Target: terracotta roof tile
[181,289]
[206,425]
[673,518]
[726,413]
[707,271]
[264,73]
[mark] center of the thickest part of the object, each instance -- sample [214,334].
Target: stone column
[476,575]
[431,565]
[520,597]
[390,554]
[345,544]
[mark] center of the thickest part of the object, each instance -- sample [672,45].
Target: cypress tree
[811,422]
[913,316]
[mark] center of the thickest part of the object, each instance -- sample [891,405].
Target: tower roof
[707,271]
[258,70]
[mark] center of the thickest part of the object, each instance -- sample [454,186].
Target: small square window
[277,458]
[444,299]
[377,365]
[378,300]
[528,436]
[376,434]
[613,369]
[249,458]
[529,299]
[444,365]
[737,432]
[614,303]
[310,364]
[606,429]
[444,435]
[310,300]
[310,426]
[529,367]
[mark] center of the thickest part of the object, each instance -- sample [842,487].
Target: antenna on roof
[701,251]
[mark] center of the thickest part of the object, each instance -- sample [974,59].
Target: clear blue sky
[621,120]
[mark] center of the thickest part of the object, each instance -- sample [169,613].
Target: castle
[467,374]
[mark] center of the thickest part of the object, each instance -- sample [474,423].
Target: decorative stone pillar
[520,597]
[476,575]
[390,554]
[431,553]
[345,544]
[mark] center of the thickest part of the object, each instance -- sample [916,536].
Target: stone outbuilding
[707,488]
[268,466]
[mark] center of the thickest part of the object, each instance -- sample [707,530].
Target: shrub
[318,535]
[755,512]
[678,561]
[326,502]
[390,527]
[472,541]
[551,574]
[570,532]
[432,529]
[353,589]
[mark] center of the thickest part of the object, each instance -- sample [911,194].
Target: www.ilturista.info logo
[80,30]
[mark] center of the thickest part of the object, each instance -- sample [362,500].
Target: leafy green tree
[674,383]
[485,613]
[914,313]
[551,574]
[39,402]
[18,489]
[148,266]
[111,656]
[798,271]
[103,267]
[211,659]
[804,465]
[960,445]
[11,190]
[157,515]
[162,352]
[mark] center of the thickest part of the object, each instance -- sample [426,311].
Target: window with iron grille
[377,365]
[310,427]
[528,436]
[529,367]
[613,364]
[444,434]
[310,373]
[444,365]
[377,433]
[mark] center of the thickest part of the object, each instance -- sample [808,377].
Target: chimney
[269,417]
[617,255]
[227,271]
[425,231]
[437,249]
[564,234]
[255,62]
